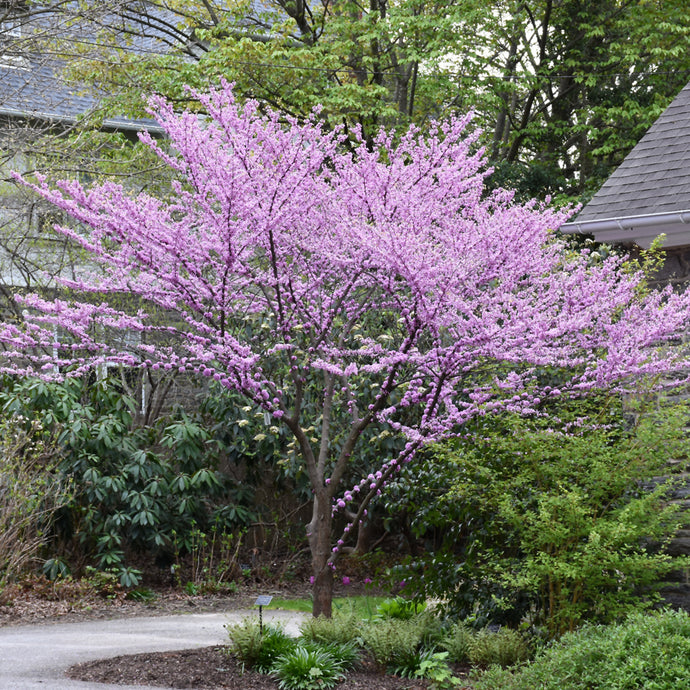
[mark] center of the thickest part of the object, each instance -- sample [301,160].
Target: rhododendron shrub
[338,289]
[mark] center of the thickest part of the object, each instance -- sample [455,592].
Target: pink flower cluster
[339,287]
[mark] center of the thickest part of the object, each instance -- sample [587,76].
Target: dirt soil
[202,669]
[211,667]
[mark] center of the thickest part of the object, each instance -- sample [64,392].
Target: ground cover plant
[343,291]
[649,651]
[416,645]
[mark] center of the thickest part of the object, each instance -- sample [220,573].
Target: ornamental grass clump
[256,649]
[392,642]
[504,647]
[342,627]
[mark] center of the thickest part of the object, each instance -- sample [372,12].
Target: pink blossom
[276,241]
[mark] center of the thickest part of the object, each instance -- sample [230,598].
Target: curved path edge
[36,657]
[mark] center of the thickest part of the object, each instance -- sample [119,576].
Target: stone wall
[676,271]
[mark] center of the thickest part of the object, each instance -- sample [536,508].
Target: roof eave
[641,230]
[108,124]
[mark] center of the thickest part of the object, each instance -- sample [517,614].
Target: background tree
[339,291]
[563,88]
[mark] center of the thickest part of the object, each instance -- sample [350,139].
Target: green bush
[547,519]
[257,650]
[504,647]
[307,669]
[152,489]
[650,651]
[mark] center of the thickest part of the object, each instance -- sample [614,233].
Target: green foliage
[408,663]
[55,568]
[561,90]
[458,642]
[143,594]
[105,583]
[245,641]
[649,651]
[307,669]
[433,667]
[346,654]
[550,518]
[274,644]
[392,642]
[155,489]
[504,647]
[255,649]
[417,647]
[342,628]
[399,608]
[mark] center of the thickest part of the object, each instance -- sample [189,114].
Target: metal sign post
[261,601]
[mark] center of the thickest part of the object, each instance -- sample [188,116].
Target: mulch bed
[210,667]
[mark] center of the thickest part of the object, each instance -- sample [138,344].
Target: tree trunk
[320,545]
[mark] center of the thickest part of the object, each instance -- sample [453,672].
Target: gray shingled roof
[32,85]
[36,90]
[649,193]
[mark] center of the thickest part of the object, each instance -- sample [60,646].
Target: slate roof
[38,92]
[649,193]
[32,86]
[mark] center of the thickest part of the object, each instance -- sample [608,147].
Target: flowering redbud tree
[339,289]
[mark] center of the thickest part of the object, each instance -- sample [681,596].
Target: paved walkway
[36,657]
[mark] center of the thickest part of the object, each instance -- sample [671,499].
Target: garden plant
[649,651]
[553,520]
[340,290]
[418,646]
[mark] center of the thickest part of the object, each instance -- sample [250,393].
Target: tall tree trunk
[320,545]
